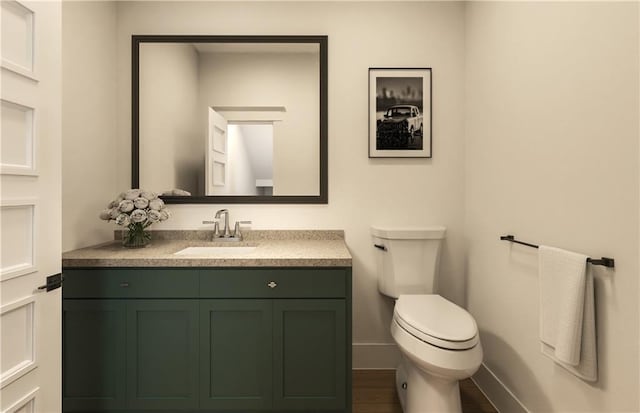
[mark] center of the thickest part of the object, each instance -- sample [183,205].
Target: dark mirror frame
[136,40]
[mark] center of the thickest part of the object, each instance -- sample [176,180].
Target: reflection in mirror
[230,119]
[246,166]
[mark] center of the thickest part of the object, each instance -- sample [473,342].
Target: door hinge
[53,282]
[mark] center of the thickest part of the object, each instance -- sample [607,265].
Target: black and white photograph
[399,113]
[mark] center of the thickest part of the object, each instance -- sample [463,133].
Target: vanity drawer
[274,282]
[130,283]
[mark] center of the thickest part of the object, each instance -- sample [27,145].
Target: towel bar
[607,262]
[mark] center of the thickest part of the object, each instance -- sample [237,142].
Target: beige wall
[171,143]
[89,144]
[552,157]
[362,191]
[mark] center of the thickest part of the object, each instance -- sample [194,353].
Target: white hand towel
[567,311]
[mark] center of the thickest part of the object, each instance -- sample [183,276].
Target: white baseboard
[375,356]
[497,393]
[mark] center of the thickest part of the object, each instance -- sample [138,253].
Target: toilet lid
[437,321]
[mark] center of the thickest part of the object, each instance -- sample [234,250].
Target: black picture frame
[321,40]
[400,112]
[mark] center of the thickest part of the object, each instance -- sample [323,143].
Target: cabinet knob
[124,284]
[272,284]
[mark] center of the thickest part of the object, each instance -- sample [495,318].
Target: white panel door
[30,206]
[216,170]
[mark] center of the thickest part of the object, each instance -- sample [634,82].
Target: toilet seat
[436,321]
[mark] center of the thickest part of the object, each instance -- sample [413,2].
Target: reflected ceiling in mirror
[230,119]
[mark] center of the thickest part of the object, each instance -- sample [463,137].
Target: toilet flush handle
[380,247]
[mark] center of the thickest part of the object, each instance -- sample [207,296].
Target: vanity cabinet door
[93,359]
[162,354]
[310,355]
[236,354]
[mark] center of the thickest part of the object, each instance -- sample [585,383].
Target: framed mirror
[230,119]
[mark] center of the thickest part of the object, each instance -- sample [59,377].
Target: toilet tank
[407,259]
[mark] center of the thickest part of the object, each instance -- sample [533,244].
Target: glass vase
[136,236]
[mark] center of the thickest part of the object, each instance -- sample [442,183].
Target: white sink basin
[214,251]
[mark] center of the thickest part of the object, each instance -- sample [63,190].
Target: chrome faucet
[226,233]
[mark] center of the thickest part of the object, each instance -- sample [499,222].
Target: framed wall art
[399,112]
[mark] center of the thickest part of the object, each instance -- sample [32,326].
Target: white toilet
[438,340]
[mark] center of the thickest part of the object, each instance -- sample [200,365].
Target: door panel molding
[28,266]
[28,362]
[28,401]
[27,141]
[22,22]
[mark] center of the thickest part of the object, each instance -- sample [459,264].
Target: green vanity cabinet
[93,358]
[162,354]
[130,339]
[130,354]
[309,354]
[207,340]
[235,354]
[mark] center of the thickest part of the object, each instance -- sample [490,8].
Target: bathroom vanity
[262,329]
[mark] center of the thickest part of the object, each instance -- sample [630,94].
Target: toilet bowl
[439,345]
[438,340]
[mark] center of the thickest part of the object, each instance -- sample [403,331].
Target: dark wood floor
[374,391]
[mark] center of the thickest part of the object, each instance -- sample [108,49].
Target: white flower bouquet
[136,209]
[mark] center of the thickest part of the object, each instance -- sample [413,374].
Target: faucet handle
[236,231]
[216,228]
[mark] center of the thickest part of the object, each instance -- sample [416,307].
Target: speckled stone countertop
[286,248]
